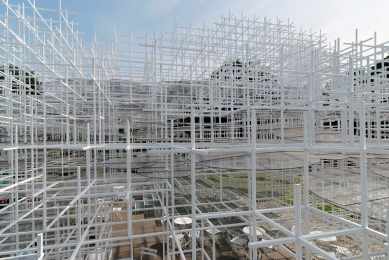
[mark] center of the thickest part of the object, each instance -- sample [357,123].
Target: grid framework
[249,122]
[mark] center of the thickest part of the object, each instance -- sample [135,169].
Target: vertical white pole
[44,196]
[129,183]
[253,180]
[168,220]
[193,181]
[306,179]
[387,231]
[297,217]
[351,101]
[282,94]
[378,125]
[39,239]
[79,219]
[212,108]
[88,166]
[364,181]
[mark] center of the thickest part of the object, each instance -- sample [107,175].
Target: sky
[336,18]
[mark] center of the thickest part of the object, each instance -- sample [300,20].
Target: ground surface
[122,250]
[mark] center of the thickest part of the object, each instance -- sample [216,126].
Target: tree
[224,72]
[27,77]
[233,69]
[377,68]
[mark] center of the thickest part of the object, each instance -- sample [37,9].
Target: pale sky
[336,18]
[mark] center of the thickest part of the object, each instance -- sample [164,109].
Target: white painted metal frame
[250,122]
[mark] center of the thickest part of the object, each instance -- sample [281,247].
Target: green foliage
[355,216]
[27,77]
[232,70]
[378,66]
[224,70]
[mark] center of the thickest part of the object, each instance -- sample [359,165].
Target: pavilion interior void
[176,145]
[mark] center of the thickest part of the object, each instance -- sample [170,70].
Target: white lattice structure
[247,123]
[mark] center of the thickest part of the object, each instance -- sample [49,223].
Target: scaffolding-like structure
[248,123]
